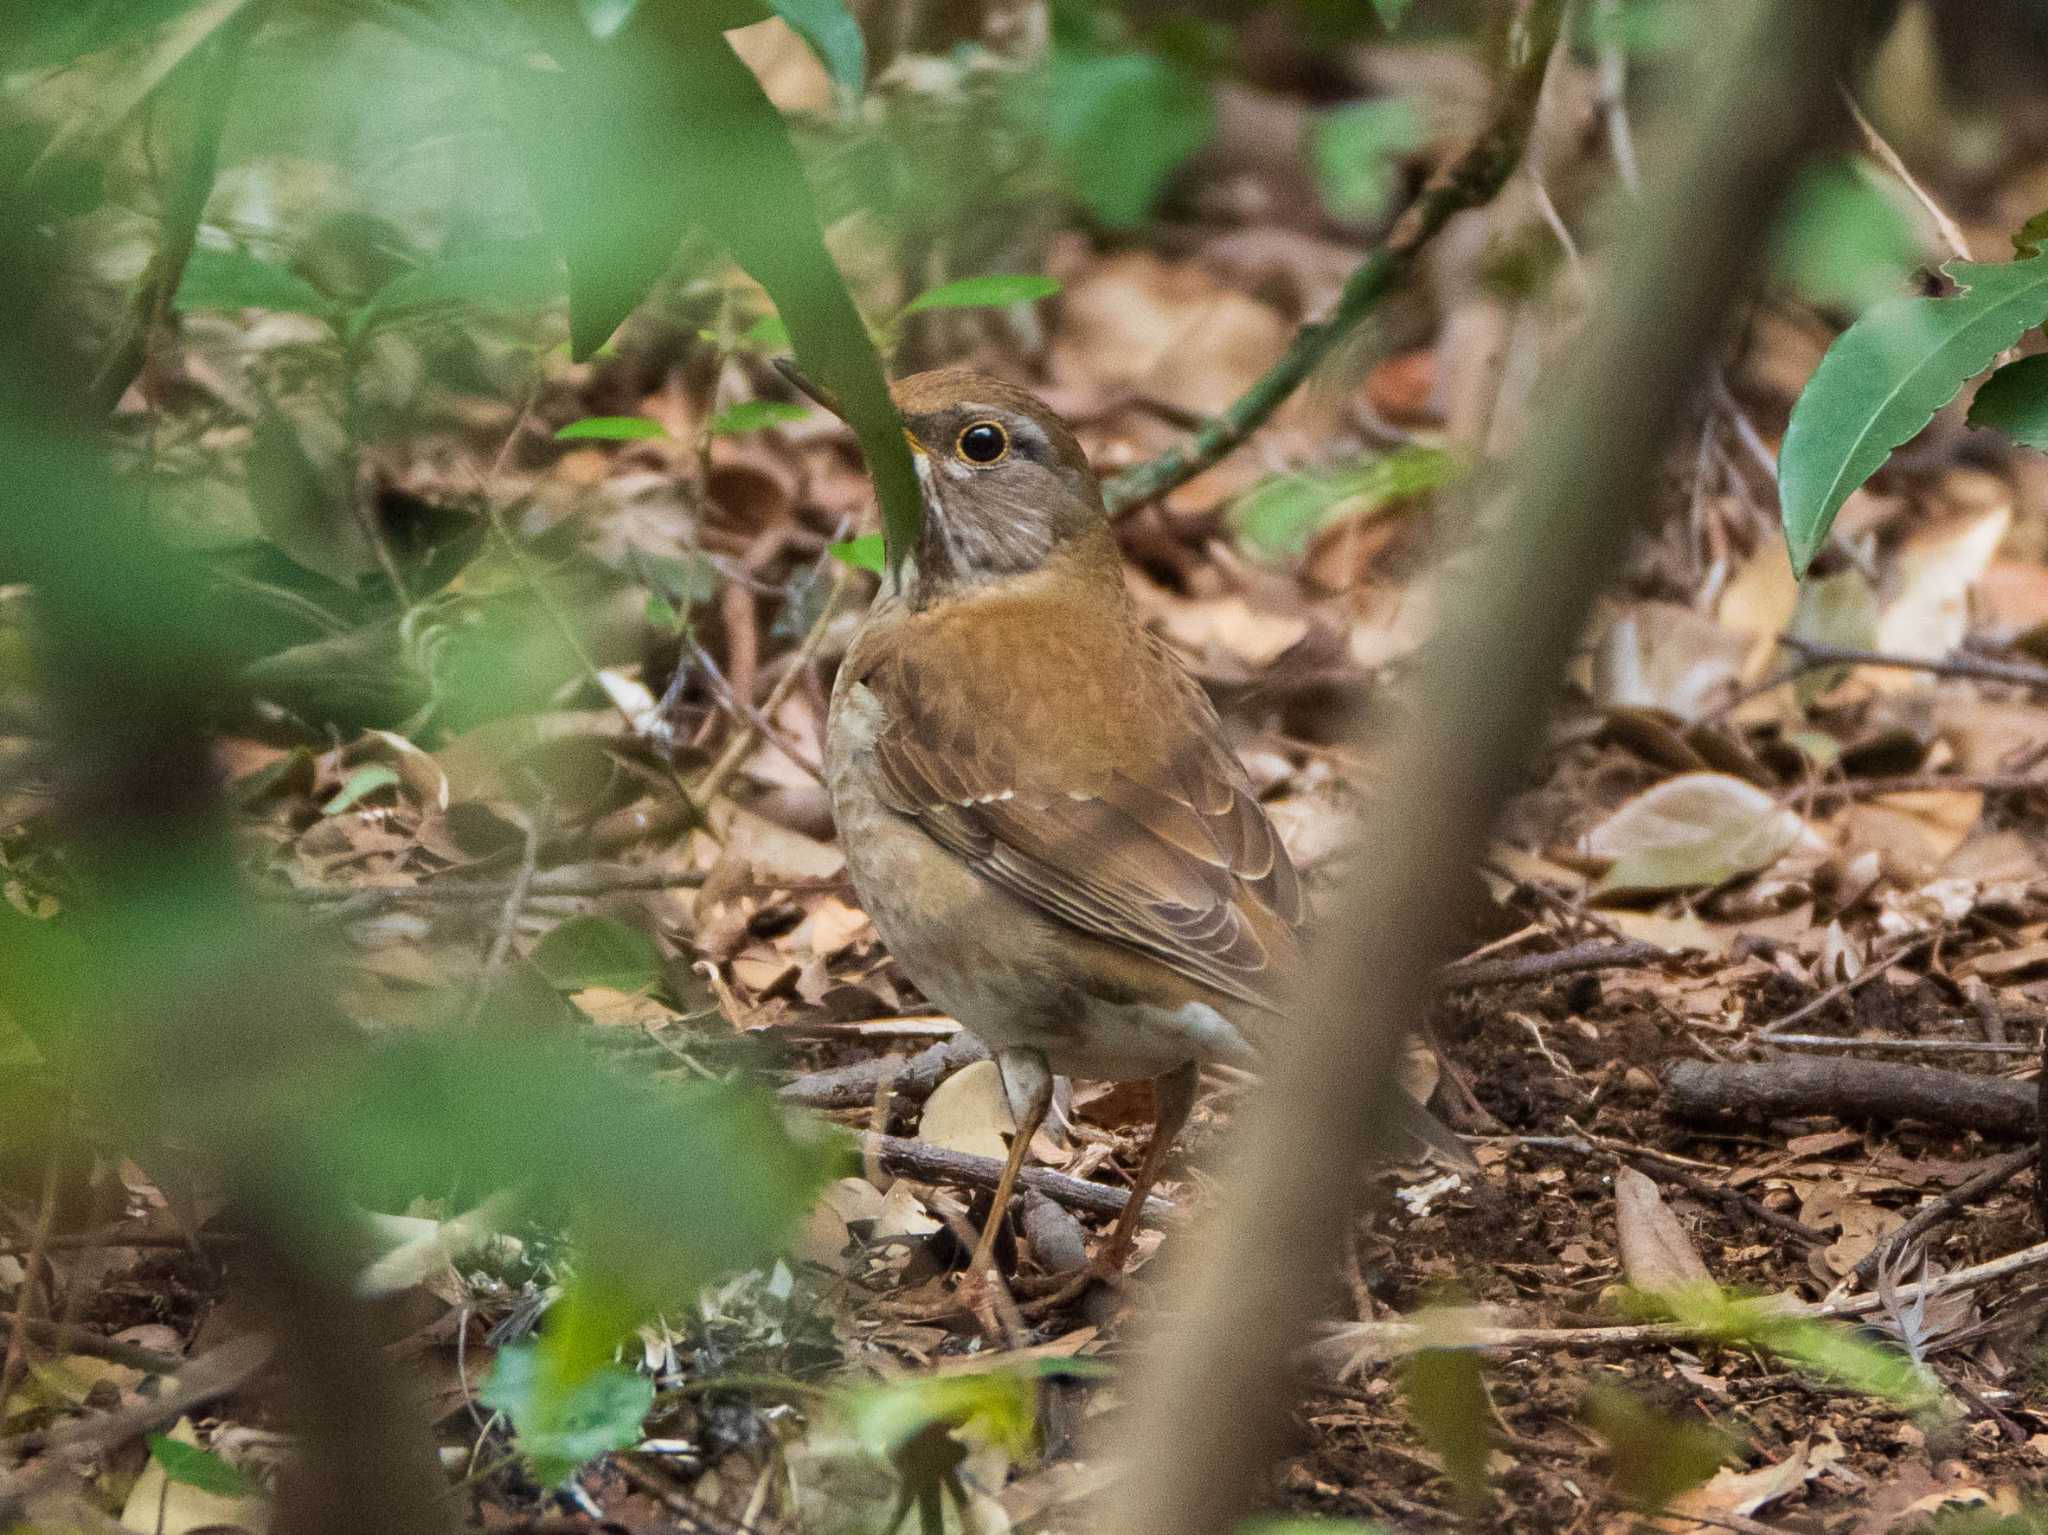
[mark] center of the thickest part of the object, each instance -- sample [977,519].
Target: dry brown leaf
[1926,610]
[970,1112]
[1658,655]
[1695,830]
[1656,1253]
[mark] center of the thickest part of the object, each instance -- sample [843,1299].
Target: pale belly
[980,953]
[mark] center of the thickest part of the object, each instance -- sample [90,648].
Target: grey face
[1000,495]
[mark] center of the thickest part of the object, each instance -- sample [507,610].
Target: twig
[935,1164]
[1945,1209]
[1982,668]
[715,778]
[1842,989]
[1472,181]
[83,1340]
[212,86]
[32,1269]
[208,1378]
[911,1077]
[508,916]
[1925,783]
[582,879]
[1346,1343]
[1612,106]
[1591,955]
[1950,231]
[1794,1085]
[1678,1170]
[1914,1046]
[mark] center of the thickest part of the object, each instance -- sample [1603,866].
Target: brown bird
[1038,806]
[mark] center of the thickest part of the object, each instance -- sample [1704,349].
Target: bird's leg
[1027,1082]
[1173,1100]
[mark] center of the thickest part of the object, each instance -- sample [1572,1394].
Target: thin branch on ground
[83,1340]
[1981,668]
[581,879]
[935,1164]
[1841,989]
[1472,181]
[1907,1046]
[1596,954]
[1346,1344]
[508,915]
[1945,1209]
[1673,1170]
[1793,1086]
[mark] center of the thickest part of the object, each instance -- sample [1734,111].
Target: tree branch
[1472,181]
[1259,1273]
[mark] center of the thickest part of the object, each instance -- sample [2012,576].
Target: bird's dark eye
[983,443]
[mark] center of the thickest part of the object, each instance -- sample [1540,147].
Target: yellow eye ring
[982,443]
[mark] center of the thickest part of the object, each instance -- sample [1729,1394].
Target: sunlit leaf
[1122,123]
[561,1425]
[863,553]
[196,1467]
[1883,380]
[753,416]
[990,292]
[611,429]
[234,279]
[366,780]
[598,951]
[2015,401]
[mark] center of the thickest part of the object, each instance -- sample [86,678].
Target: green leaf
[1829,1350]
[863,553]
[1654,1457]
[834,36]
[1446,1396]
[1883,380]
[1280,515]
[1352,151]
[598,951]
[2032,236]
[1391,12]
[1121,124]
[520,275]
[1845,240]
[234,279]
[990,292]
[687,583]
[753,415]
[563,1423]
[767,334]
[662,614]
[2015,401]
[359,786]
[611,429]
[998,1406]
[199,1468]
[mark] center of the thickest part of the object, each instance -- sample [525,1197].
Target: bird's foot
[983,1295]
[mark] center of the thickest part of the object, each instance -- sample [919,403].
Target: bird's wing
[1070,761]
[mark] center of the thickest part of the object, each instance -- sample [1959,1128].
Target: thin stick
[1951,232]
[1982,668]
[83,1340]
[36,1262]
[935,1164]
[1929,1046]
[508,916]
[1946,1209]
[1350,1341]
[1472,181]
[1580,957]
[715,778]
[1842,989]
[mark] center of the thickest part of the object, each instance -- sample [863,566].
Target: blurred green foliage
[1845,241]
[1280,515]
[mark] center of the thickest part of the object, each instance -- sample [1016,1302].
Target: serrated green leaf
[753,416]
[1121,124]
[833,35]
[1446,1395]
[563,1423]
[2014,400]
[598,951]
[359,786]
[234,279]
[1883,380]
[611,429]
[990,292]
[863,553]
[195,1467]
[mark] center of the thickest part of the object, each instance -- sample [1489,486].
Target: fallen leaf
[1658,655]
[970,1112]
[1695,830]
[159,1506]
[1926,610]
[1656,1253]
